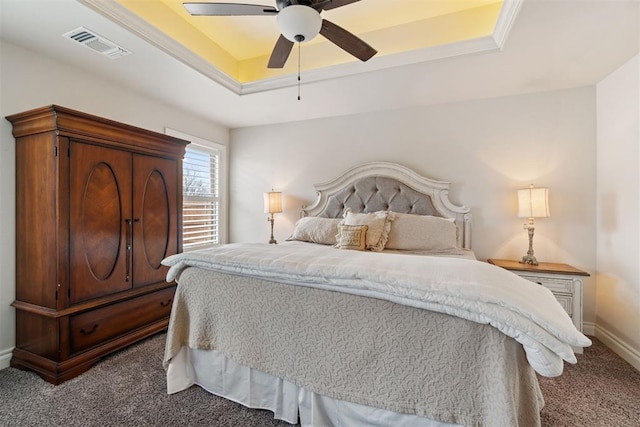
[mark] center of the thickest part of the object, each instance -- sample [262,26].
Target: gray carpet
[601,390]
[128,389]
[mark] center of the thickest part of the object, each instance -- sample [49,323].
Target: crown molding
[506,18]
[374,64]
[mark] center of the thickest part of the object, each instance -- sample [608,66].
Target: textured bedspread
[464,288]
[359,349]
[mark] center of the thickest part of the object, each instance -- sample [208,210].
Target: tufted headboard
[379,186]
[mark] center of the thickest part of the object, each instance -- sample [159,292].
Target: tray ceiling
[234,50]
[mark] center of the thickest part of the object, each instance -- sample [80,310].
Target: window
[202,201]
[201,198]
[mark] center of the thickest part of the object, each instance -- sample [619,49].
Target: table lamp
[532,203]
[272,205]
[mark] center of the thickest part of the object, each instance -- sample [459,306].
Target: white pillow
[316,230]
[422,232]
[378,223]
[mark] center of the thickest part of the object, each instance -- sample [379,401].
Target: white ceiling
[553,44]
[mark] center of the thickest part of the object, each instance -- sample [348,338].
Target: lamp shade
[533,203]
[299,23]
[273,202]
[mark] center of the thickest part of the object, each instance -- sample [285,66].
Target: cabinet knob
[92,330]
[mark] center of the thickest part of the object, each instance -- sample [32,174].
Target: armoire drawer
[100,325]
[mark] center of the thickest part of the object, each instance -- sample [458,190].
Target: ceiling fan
[298,21]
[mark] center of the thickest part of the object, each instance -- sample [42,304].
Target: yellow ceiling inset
[240,46]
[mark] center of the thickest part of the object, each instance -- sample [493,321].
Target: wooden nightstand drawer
[554,284]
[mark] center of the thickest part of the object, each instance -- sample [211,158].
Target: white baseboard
[618,346]
[5,358]
[589,328]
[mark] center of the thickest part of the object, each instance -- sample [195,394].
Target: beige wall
[618,225]
[29,81]
[488,149]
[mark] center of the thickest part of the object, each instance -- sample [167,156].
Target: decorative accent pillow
[352,237]
[422,232]
[378,223]
[316,230]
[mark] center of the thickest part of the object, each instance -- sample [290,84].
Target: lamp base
[529,259]
[271,240]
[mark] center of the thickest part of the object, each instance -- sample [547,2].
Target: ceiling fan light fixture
[299,23]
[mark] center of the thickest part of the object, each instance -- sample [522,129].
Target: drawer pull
[82,331]
[165,304]
[540,283]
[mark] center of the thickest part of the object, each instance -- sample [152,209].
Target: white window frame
[208,145]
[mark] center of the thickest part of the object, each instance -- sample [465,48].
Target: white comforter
[469,289]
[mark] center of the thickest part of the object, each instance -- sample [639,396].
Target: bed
[374,312]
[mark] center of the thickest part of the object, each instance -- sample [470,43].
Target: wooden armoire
[98,206]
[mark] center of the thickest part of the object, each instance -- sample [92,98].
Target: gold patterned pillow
[352,237]
[379,224]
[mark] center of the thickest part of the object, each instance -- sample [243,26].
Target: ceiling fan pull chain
[298,71]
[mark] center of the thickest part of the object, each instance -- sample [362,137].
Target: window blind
[201,197]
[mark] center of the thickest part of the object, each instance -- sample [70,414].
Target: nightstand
[563,280]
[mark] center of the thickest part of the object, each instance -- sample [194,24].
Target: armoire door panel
[155,219]
[101,219]
[155,212]
[100,206]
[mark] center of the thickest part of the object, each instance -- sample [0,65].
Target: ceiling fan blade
[347,41]
[332,4]
[280,52]
[228,9]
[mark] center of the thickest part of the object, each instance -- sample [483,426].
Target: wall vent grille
[96,43]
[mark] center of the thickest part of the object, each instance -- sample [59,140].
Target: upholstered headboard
[379,186]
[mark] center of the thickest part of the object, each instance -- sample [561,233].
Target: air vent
[96,43]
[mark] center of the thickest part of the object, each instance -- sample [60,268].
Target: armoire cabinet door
[100,221]
[155,214]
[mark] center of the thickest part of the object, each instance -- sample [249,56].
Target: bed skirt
[219,375]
